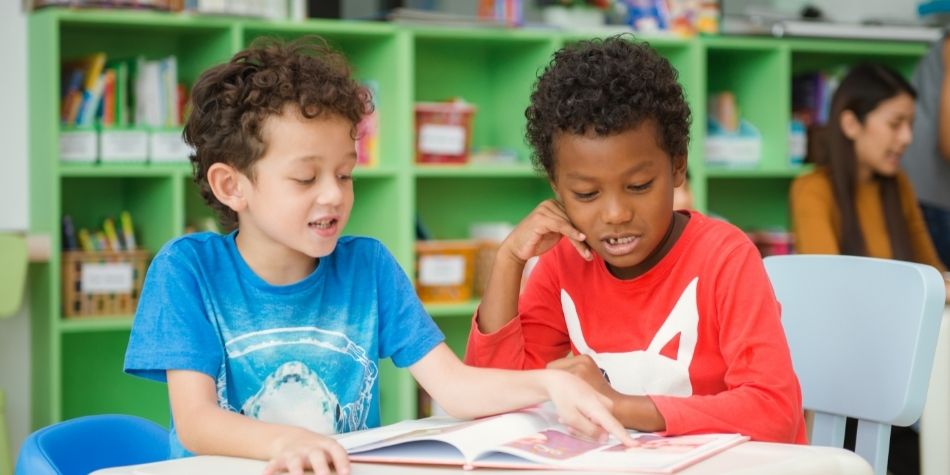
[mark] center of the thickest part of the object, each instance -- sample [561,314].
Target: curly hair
[231,102]
[605,87]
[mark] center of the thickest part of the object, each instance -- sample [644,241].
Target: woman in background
[858,201]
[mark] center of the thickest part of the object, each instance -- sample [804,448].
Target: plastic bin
[443,131]
[445,270]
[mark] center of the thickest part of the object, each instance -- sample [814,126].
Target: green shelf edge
[119,170]
[95,324]
[474,171]
[714,172]
[132,170]
[114,19]
[460,310]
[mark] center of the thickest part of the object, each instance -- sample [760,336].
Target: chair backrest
[85,444]
[13,263]
[862,334]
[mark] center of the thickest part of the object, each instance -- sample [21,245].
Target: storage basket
[102,283]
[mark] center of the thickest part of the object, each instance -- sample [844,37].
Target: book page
[652,453]
[471,438]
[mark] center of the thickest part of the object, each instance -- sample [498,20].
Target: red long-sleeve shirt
[699,333]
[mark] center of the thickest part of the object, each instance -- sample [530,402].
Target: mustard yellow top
[816,222]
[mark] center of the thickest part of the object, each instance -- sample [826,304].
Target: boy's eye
[643,187]
[585,196]
[305,181]
[345,177]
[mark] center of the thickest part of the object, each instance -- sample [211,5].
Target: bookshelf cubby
[77,363]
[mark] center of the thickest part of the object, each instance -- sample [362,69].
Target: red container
[443,131]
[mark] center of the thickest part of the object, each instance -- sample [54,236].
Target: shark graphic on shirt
[642,372]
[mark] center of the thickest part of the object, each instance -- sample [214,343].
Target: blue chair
[862,334]
[85,444]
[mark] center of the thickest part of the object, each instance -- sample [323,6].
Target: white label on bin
[168,146]
[441,270]
[110,278]
[123,145]
[78,146]
[442,139]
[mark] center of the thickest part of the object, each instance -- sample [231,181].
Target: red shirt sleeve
[762,397]
[535,336]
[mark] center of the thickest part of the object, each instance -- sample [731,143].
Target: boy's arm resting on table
[205,428]
[468,392]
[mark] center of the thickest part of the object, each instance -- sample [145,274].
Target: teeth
[623,240]
[323,224]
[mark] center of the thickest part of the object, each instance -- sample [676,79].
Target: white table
[935,421]
[749,458]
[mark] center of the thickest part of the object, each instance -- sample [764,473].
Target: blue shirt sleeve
[406,331]
[171,329]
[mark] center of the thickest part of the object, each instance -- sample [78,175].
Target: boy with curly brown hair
[269,336]
[668,313]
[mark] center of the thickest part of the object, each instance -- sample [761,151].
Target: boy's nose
[331,193]
[616,211]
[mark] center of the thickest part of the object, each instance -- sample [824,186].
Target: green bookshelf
[76,363]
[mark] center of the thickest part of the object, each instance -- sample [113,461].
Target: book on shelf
[527,439]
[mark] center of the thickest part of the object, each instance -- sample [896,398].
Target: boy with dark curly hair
[668,313]
[269,336]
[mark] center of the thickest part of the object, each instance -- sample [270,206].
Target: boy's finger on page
[341,461]
[318,462]
[614,427]
[295,465]
[605,419]
[596,433]
[583,426]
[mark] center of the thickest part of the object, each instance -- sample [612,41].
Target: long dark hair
[861,91]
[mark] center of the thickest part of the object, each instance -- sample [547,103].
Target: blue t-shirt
[303,354]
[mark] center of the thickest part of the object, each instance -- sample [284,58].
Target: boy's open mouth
[327,223]
[324,227]
[620,245]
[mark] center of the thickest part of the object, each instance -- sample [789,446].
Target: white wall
[15,331]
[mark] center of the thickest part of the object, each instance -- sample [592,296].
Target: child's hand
[302,449]
[583,410]
[541,230]
[583,367]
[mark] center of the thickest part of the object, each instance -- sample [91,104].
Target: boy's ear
[225,182]
[850,125]
[679,170]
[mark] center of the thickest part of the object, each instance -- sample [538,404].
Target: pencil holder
[102,283]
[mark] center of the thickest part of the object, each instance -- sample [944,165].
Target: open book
[529,439]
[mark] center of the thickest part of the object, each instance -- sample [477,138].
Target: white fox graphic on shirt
[643,372]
